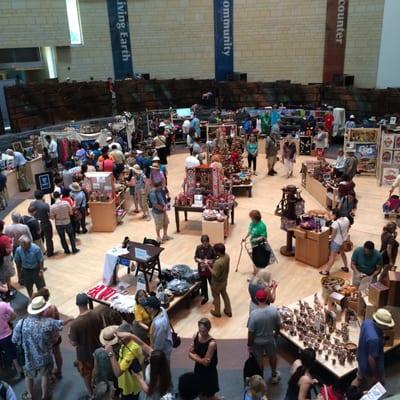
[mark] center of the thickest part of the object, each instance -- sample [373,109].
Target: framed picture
[365,150]
[389,175]
[387,156]
[396,157]
[397,141]
[17,146]
[388,141]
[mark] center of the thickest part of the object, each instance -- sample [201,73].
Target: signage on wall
[223,39]
[120,38]
[335,39]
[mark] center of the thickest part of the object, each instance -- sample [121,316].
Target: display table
[187,209]
[340,371]
[174,303]
[35,166]
[320,192]
[248,188]
[312,247]
[12,183]
[147,266]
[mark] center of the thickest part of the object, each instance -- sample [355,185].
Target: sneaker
[75,251]
[166,237]
[276,377]
[345,269]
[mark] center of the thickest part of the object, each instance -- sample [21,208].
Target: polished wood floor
[68,275]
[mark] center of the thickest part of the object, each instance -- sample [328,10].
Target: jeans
[66,229]
[252,160]
[204,285]
[47,236]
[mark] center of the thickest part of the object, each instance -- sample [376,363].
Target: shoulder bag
[176,339]
[347,244]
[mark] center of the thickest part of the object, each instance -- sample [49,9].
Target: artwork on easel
[396,157]
[389,175]
[388,141]
[387,156]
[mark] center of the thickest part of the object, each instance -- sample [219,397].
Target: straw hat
[107,335]
[383,317]
[136,169]
[75,187]
[38,305]
[257,386]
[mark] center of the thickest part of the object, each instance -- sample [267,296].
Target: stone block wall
[33,23]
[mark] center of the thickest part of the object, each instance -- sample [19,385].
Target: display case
[108,204]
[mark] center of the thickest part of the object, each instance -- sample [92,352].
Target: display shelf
[389,155]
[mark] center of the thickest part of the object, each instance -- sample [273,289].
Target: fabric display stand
[365,143]
[181,281]
[68,139]
[389,155]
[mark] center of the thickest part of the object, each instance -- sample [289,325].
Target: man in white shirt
[19,164]
[53,151]
[351,123]
[340,232]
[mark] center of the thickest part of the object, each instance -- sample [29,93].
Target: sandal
[344,269]
[26,396]
[325,273]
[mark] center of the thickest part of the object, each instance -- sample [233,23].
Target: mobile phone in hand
[135,366]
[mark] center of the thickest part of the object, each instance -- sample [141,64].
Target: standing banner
[223,39]
[335,39]
[120,38]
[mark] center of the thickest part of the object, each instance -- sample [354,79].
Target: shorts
[267,348]
[335,248]
[31,277]
[160,220]
[85,368]
[38,373]
[9,348]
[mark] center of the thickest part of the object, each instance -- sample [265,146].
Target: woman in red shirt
[6,265]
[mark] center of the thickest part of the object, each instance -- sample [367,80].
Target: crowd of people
[131,359]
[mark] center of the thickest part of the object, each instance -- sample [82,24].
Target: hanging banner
[223,39]
[120,38]
[335,39]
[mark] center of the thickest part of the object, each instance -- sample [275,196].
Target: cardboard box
[394,289]
[215,231]
[378,294]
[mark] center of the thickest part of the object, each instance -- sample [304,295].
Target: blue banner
[223,39]
[120,38]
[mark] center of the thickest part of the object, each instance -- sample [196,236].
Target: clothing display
[101,292]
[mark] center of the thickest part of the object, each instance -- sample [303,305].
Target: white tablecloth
[110,263]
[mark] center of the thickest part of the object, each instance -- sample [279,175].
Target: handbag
[251,368]
[347,244]
[176,339]
[20,349]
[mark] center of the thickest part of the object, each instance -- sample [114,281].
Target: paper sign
[375,393]
[141,254]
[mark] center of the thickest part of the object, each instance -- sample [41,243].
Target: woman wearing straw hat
[102,370]
[370,356]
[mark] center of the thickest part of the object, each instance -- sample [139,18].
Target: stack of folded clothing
[178,286]
[123,303]
[101,292]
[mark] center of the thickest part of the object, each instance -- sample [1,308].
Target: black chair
[151,242]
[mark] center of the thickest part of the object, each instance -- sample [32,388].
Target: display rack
[365,143]
[108,207]
[389,155]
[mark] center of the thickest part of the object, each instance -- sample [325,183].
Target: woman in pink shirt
[7,314]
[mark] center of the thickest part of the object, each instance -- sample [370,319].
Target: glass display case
[101,185]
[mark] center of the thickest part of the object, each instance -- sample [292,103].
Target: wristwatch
[110,354]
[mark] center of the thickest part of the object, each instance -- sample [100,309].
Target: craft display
[210,184]
[320,327]
[389,159]
[364,142]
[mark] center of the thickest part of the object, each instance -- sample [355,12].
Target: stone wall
[33,23]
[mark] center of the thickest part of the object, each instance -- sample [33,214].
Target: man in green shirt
[365,261]
[219,281]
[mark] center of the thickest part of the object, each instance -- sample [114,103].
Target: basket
[331,284]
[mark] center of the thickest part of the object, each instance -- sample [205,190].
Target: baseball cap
[82,299]
[152,302]
[261,295]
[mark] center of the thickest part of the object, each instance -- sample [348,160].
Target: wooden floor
[68,275]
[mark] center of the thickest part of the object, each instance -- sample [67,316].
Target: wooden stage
[68,275]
